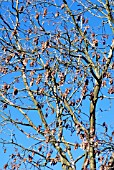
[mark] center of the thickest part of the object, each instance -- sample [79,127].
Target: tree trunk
[92,127]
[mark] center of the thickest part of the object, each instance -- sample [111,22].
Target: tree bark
[92,126]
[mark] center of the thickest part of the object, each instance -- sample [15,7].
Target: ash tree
[57,84]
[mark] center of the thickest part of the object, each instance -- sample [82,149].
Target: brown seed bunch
[15,92]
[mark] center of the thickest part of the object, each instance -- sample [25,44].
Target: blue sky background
[103,112]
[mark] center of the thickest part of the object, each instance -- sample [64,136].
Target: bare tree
[57,74]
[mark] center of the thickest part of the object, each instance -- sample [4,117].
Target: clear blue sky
[105,108]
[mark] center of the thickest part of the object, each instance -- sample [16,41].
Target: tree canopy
[57,84]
